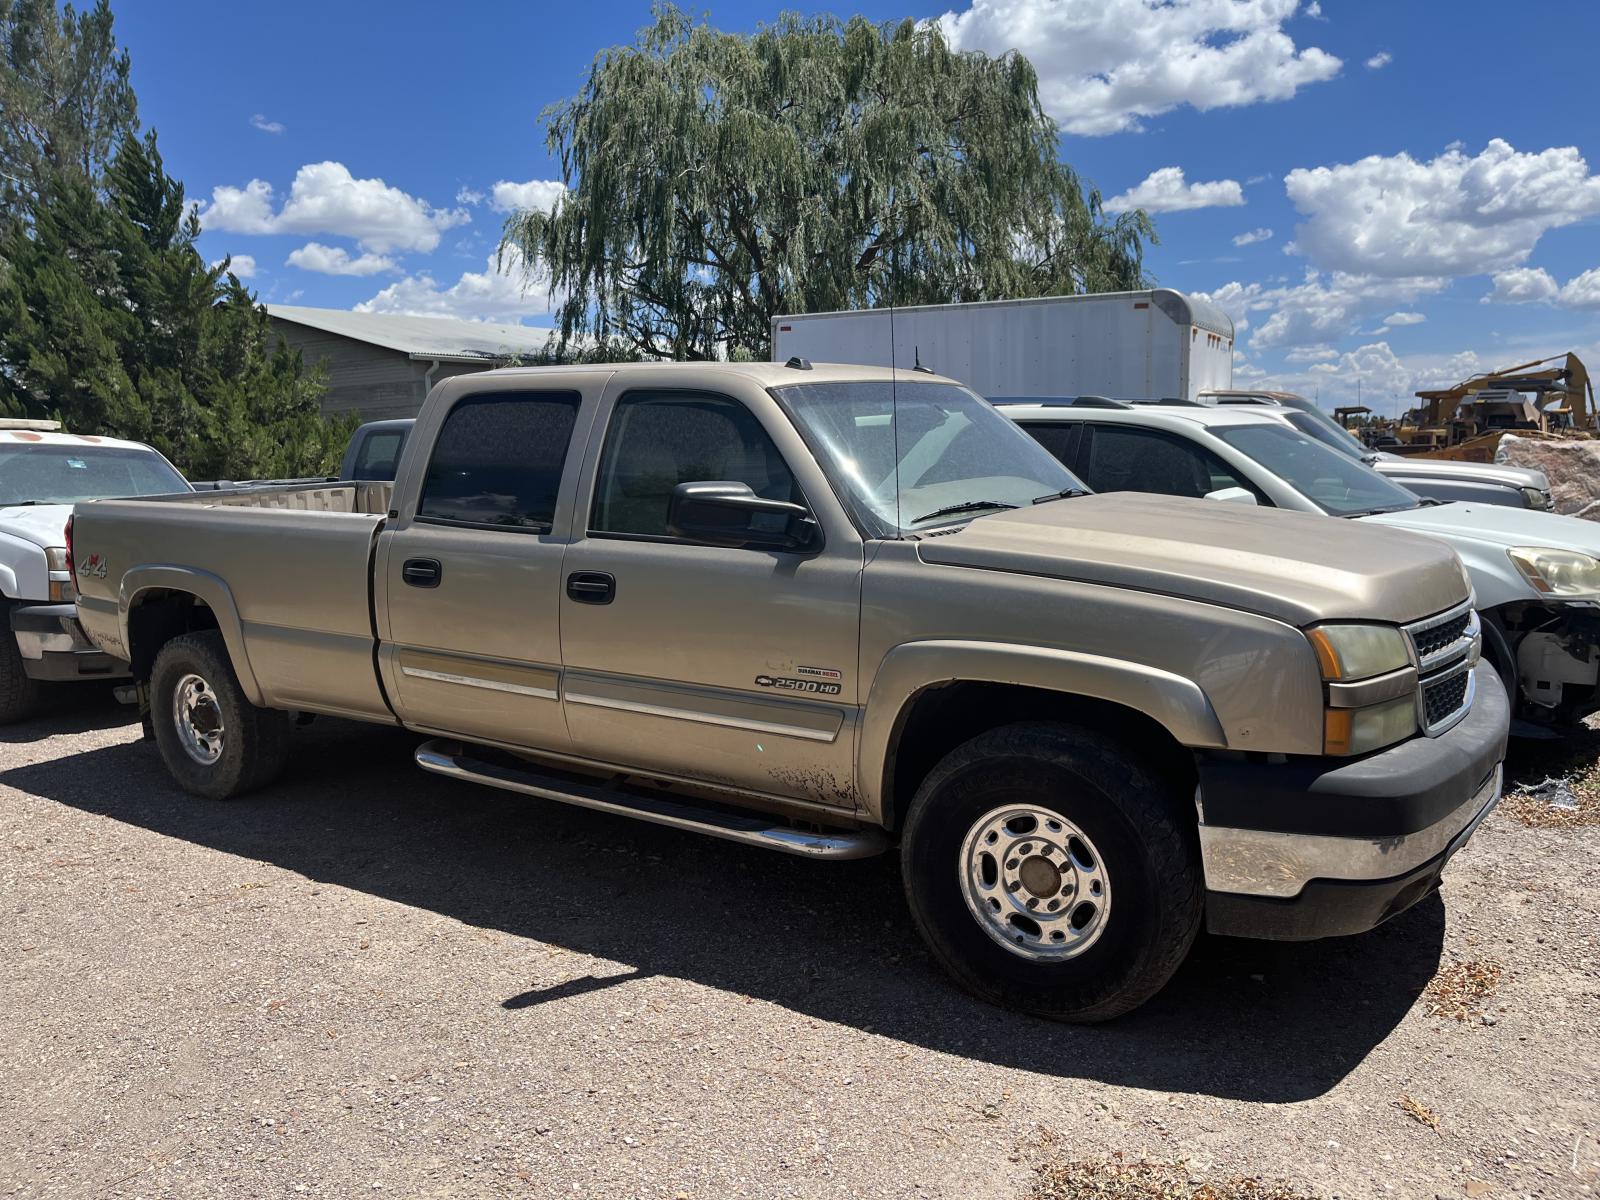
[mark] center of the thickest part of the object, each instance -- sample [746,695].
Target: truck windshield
[52,473]
[1340,486]
[914,456]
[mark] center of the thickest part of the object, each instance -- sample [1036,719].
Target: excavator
[1466,422]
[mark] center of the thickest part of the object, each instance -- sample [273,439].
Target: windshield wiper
[951,510]
[1063,494]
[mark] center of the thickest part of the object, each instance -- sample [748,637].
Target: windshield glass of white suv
[1340,486]
[1327,432]
[48,473]
[904,455]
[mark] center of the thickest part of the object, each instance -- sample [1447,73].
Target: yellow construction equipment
[1467,421]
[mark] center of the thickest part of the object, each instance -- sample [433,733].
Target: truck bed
[297,561]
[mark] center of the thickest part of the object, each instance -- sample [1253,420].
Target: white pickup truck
[43,472]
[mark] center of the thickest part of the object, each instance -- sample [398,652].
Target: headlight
[1537,498]
[1347,652]
[1567,574]
[1357,730]
[58,571]
[1370,687]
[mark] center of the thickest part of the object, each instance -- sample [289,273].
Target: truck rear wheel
[1050,873]
[213,740]
[19,695]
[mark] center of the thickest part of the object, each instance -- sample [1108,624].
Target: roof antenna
[894,401]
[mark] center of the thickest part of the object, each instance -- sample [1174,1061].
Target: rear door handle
[592,587]
[422,572]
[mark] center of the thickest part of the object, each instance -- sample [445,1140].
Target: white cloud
[260,122]
[1166,190]
[1251,238]
[1379,61]
[1318,309]
[491,295]
[1311,354]
[1105,65]
[1582,291]
[470,196]
[242,265]
[536,193]
[1535,285]
[336,260]
[1522,285]
[1452,215]
[1397,319]
[326,198]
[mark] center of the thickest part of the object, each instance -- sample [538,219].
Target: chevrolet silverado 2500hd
[815,608]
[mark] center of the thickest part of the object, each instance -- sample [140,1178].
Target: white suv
[43,472]
[1535,575]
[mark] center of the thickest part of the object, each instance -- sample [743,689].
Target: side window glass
[1058,437]
[379,455]
[659,440]
[1138,460]
[498,460]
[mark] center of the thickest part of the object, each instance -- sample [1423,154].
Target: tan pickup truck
[822,609]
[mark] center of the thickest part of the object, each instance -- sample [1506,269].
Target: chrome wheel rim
[197,717]
[1034,882]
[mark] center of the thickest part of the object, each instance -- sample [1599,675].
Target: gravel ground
[371,981]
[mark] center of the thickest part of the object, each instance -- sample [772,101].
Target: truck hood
[1441,468]
[1296,567]
[41,524]
[1495,525]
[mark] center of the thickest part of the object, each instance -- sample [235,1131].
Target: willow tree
[717,180]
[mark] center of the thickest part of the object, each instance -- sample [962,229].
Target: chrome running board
[455,761]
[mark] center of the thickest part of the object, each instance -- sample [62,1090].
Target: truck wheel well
[158,616]
[940,718]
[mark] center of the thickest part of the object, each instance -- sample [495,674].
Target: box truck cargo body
[1133,345]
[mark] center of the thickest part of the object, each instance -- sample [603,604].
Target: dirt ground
[371,981]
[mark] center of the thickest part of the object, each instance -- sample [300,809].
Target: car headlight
[58,571]
[1537,498]
[1346,652]
[1370,687]
[1566,574]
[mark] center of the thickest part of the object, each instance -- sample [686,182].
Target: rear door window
[1058,437]
[1124,459]
[498,459]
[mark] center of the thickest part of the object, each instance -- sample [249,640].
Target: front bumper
[53,646]
[1309,848]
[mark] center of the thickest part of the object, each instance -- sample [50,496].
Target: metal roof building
[382,365]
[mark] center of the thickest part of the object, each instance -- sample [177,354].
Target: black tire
[20,696]
[1146,846]
[254,741]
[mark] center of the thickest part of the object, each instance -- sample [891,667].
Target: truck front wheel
[1050,873]
[213,740]
[19,695]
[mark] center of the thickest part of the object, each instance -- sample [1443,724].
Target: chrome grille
[1443,696]
[1444,648]
[1436,639]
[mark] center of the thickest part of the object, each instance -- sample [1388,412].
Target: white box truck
[1135,345]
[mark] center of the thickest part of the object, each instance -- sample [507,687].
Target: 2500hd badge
[815,687]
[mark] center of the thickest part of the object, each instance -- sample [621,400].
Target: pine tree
[716,181]
[111,321]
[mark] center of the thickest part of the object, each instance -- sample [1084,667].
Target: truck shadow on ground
[1246,1020]
[68,708]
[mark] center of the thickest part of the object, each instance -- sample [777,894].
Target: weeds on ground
[1418,1112]
[1580,805]
[1462,990]
[1116,1179]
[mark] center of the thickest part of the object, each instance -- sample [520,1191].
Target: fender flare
[210,588]
[1178,704]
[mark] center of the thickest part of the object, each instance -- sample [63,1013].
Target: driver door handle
[591,587]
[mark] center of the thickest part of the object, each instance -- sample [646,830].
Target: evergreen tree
[65,95]
[112,321]
[717,180]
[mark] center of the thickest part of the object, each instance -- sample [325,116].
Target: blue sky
[1424,168]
